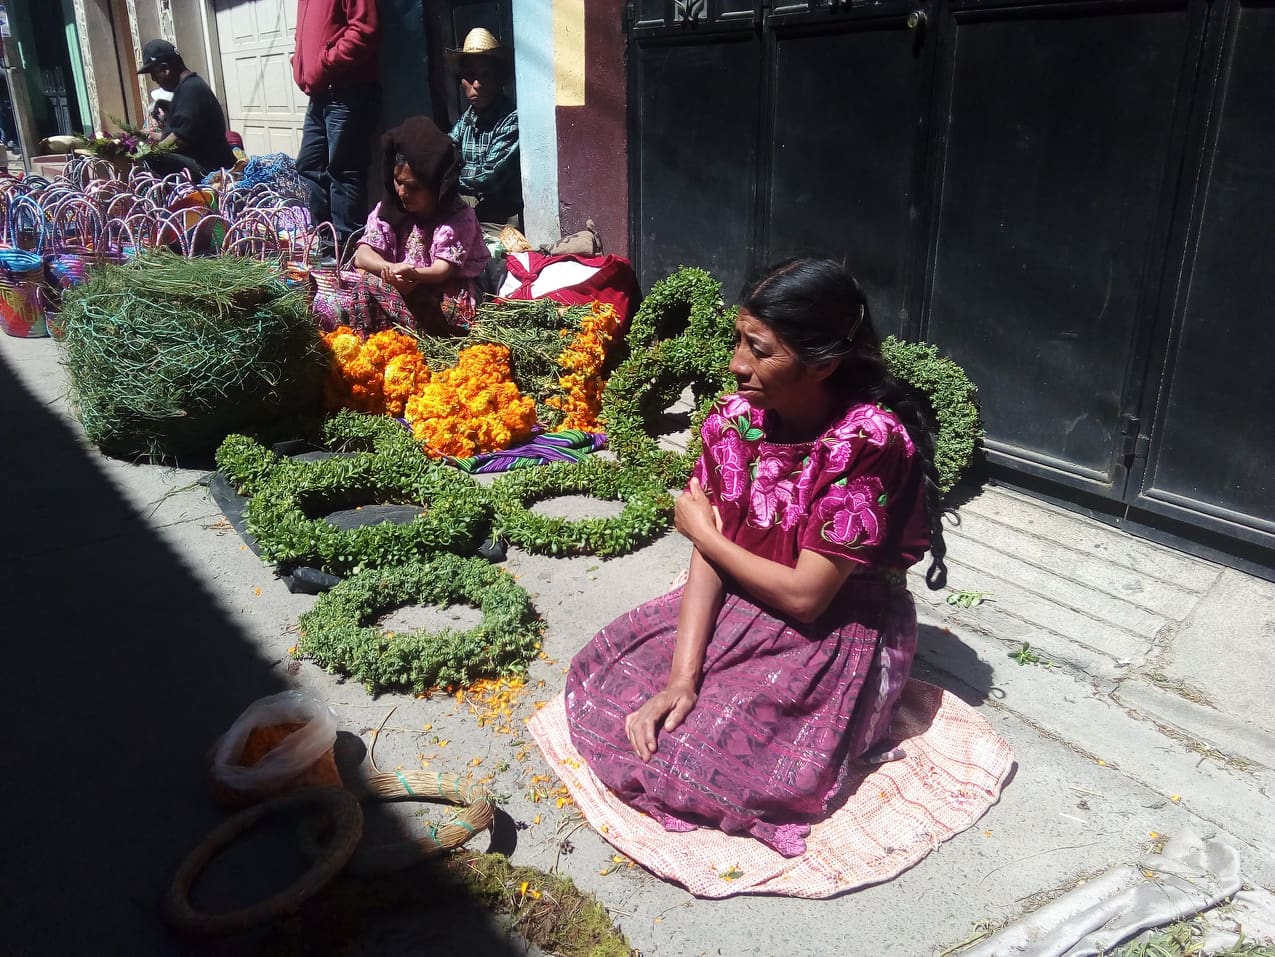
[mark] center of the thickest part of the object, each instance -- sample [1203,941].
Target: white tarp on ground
[1189,876]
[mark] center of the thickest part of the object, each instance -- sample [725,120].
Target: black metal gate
[1070,198]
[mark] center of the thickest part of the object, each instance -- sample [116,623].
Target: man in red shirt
[335,64]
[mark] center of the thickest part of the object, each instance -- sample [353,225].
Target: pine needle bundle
[167,355]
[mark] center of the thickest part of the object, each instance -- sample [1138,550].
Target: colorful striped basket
[22,272]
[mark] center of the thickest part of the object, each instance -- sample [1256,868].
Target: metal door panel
[1060,126]
[1212,458]
[263,104]
[696,117]
[841,103]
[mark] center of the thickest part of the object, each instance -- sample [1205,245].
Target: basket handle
[130,230]
[176,224]
[351,246]
[121,205]
[120,229]
[36,213]
[253,234]
[308,250]
[141,177]
[284,219]
[77,209]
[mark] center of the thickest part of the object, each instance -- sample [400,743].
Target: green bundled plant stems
[167,354]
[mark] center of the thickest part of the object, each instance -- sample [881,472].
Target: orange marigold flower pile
[582,361]
[472,407]
[476,405]
[378,374]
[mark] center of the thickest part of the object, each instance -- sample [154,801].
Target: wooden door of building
[263,103]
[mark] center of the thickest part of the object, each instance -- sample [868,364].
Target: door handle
[916,20]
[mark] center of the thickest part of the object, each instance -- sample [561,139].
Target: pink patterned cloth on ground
[951,770]
[783,708]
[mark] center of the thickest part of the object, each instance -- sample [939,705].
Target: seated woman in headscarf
[422,248]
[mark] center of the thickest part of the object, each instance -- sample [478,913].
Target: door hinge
[1134,444]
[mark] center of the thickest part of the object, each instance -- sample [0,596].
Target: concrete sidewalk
[1141,708]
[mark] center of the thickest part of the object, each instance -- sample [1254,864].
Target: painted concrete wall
[113,98]
[191,23]
[591,119]
[537,119]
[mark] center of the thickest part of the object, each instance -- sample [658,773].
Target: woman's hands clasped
[401,276]
[666,710]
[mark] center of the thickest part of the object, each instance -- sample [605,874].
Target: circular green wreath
[350,431]
[246,463]
[648,509]
[646,384]
[457,512]
[285,493]
[654,376]
[687,302]
[339,632]
[953,397]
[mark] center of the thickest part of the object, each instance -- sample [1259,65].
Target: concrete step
[1015,614]
[991,556]
[1074,532]
[1070,567]
[1206,727]
[1103,727]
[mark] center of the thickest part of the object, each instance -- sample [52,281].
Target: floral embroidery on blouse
[829,493]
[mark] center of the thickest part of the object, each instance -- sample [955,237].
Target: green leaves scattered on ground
[968,599]
[1026,655]
[1186,939]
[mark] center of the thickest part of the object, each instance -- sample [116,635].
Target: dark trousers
[335,146]
[166,163]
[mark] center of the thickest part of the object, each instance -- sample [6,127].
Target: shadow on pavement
[121,669]
[943,659]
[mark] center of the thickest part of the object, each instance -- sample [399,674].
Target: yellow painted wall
[568,51]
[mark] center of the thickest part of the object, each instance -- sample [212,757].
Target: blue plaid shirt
[489,155]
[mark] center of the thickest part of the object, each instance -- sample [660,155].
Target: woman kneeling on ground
[739,700]
[422,248]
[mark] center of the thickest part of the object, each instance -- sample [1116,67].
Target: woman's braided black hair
[819,310]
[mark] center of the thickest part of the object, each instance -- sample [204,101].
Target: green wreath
[339,632]
[285,493]
[689,302]
[246,463]
[648,509]
[952,396]
[350,431]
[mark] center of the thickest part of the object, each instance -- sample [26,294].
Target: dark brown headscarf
[433,158]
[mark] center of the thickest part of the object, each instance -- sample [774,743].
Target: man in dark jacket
[196,125]
[335,65]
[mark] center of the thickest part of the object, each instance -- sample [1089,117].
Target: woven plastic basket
[22,272]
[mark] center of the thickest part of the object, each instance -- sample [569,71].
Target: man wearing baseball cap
[196,125]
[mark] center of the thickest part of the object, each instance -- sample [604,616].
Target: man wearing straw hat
[487,132]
